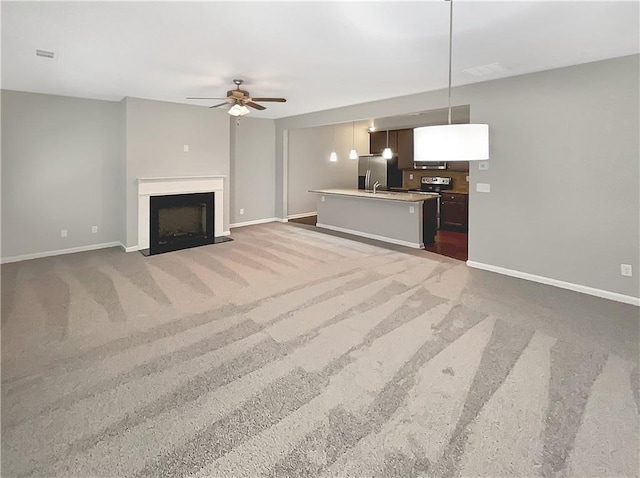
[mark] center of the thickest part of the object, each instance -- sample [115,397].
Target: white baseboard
[226,233]
[605,294]
[252,223]
[302,214]
[59,252]
[413,245]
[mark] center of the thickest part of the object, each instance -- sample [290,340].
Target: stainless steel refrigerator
[372,168]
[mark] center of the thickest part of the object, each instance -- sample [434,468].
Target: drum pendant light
[451,142]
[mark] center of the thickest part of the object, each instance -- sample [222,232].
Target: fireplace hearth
[180,221]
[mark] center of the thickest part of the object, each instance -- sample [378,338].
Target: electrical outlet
[241,211]
[63,233]
[625,270]
[322,198]
[483,188]
[412,209]
[410,176]
[94,229]
[483,165]
[186,148]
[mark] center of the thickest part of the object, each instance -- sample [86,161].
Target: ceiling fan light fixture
[238,110]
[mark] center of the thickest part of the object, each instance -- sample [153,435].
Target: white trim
[391,240]
[303,214]
[283,219]
[225,233]
[59,252]
[285,172]
[130,248]
[605,294]
[251,223]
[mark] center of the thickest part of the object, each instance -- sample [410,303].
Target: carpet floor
[291,352]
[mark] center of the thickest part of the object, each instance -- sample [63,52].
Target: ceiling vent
[45,53]
[485,70]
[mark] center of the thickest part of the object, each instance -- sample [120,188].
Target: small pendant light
[353,154]
[387,153]
[333,157]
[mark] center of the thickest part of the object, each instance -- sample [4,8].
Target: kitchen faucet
[375,186]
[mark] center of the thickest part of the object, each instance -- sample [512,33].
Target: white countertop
[384,195]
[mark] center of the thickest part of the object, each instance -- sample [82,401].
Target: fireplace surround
[174,186]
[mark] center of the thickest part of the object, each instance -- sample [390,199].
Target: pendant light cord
[353,135]
[450,48]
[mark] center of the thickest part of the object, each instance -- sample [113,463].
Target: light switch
[410,176]
[322,198]
[412,209]
[483,188]
[186,148]
[483,165]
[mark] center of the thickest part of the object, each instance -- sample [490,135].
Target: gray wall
[309,166]
[61,169]
[156,132]
[564,170]
[253,163]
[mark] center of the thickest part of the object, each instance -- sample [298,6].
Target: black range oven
[434,184]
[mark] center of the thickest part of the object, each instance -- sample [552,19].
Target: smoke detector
[484,70]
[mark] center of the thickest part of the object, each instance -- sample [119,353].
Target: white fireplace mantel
[148,187]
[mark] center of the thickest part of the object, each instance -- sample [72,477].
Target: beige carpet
[289,352]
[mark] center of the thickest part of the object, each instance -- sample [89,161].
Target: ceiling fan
[239,100]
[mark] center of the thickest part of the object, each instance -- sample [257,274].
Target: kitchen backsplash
[459,178]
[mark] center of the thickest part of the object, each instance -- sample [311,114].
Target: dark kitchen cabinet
[458,165]
[405,148]
[378,141]
[400,142]
[454,211]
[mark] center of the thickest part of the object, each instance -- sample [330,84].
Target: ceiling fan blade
[255,105]
[221,104]
[203,98]
[278,100]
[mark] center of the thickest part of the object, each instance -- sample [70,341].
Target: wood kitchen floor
[448,243]
[451,244]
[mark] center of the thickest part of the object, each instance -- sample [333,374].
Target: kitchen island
[406,219]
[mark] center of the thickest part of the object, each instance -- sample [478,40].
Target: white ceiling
[319,55]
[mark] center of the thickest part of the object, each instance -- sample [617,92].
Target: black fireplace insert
[180,221]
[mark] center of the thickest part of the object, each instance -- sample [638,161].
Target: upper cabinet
[378,141]
[405,148]
[400,142]
[458,165]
